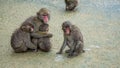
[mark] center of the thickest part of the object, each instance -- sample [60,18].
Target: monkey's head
[44,28]
[67,27]
[44,15]
[27,28]
[71,4]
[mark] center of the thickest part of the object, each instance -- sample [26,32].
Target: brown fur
[44,43]
[74,40]
[71,4]
[20,39]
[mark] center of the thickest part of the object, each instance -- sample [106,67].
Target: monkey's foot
[36,50]
[58,53]
[67,51]
[72,55]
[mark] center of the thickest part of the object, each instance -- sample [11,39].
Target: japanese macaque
[43,43]
[71,4]
[20,39]
[46,43]
[73,38]
[42,17]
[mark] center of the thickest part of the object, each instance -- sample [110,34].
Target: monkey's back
[77,35]
[19,38]
[33,20]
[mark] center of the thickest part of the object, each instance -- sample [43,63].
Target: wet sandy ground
[99,21]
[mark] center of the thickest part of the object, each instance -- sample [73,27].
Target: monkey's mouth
[45,18]
[67,31]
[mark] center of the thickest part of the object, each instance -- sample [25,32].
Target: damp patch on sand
[59,58]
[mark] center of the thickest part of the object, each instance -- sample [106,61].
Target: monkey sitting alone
[73,38]
[71,4]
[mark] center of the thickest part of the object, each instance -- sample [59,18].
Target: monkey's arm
[36,35]
[63,46]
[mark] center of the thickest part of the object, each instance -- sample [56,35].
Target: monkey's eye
[66,26]
[45,14]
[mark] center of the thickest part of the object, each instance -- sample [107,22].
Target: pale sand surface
[99,21]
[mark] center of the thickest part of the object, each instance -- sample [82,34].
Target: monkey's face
[66,27]
[44,28]
[70,5]
[27,28]
[43,15]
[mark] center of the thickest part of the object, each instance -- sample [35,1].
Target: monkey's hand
[70,55]
[36,35]
[45,34]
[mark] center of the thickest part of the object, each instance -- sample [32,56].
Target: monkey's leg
[74,49]
[81,47]
[34,41]
[32,44]
[78,49]
[21,49]
[18,46]
[44,44]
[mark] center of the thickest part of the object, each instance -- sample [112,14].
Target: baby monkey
[43,43]
[73,38]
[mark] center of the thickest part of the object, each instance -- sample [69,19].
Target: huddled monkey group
[33,34]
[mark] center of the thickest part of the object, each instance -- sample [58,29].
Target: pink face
[67,31]
[45,18]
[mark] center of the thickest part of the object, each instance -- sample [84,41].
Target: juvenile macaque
[71,4]
[73,39]
[20,39]
[43,43]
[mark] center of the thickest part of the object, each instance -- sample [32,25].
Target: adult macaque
[71,4]
[42,17]
[40,22]
[73,39]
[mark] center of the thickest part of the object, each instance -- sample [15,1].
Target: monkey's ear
[23,27]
